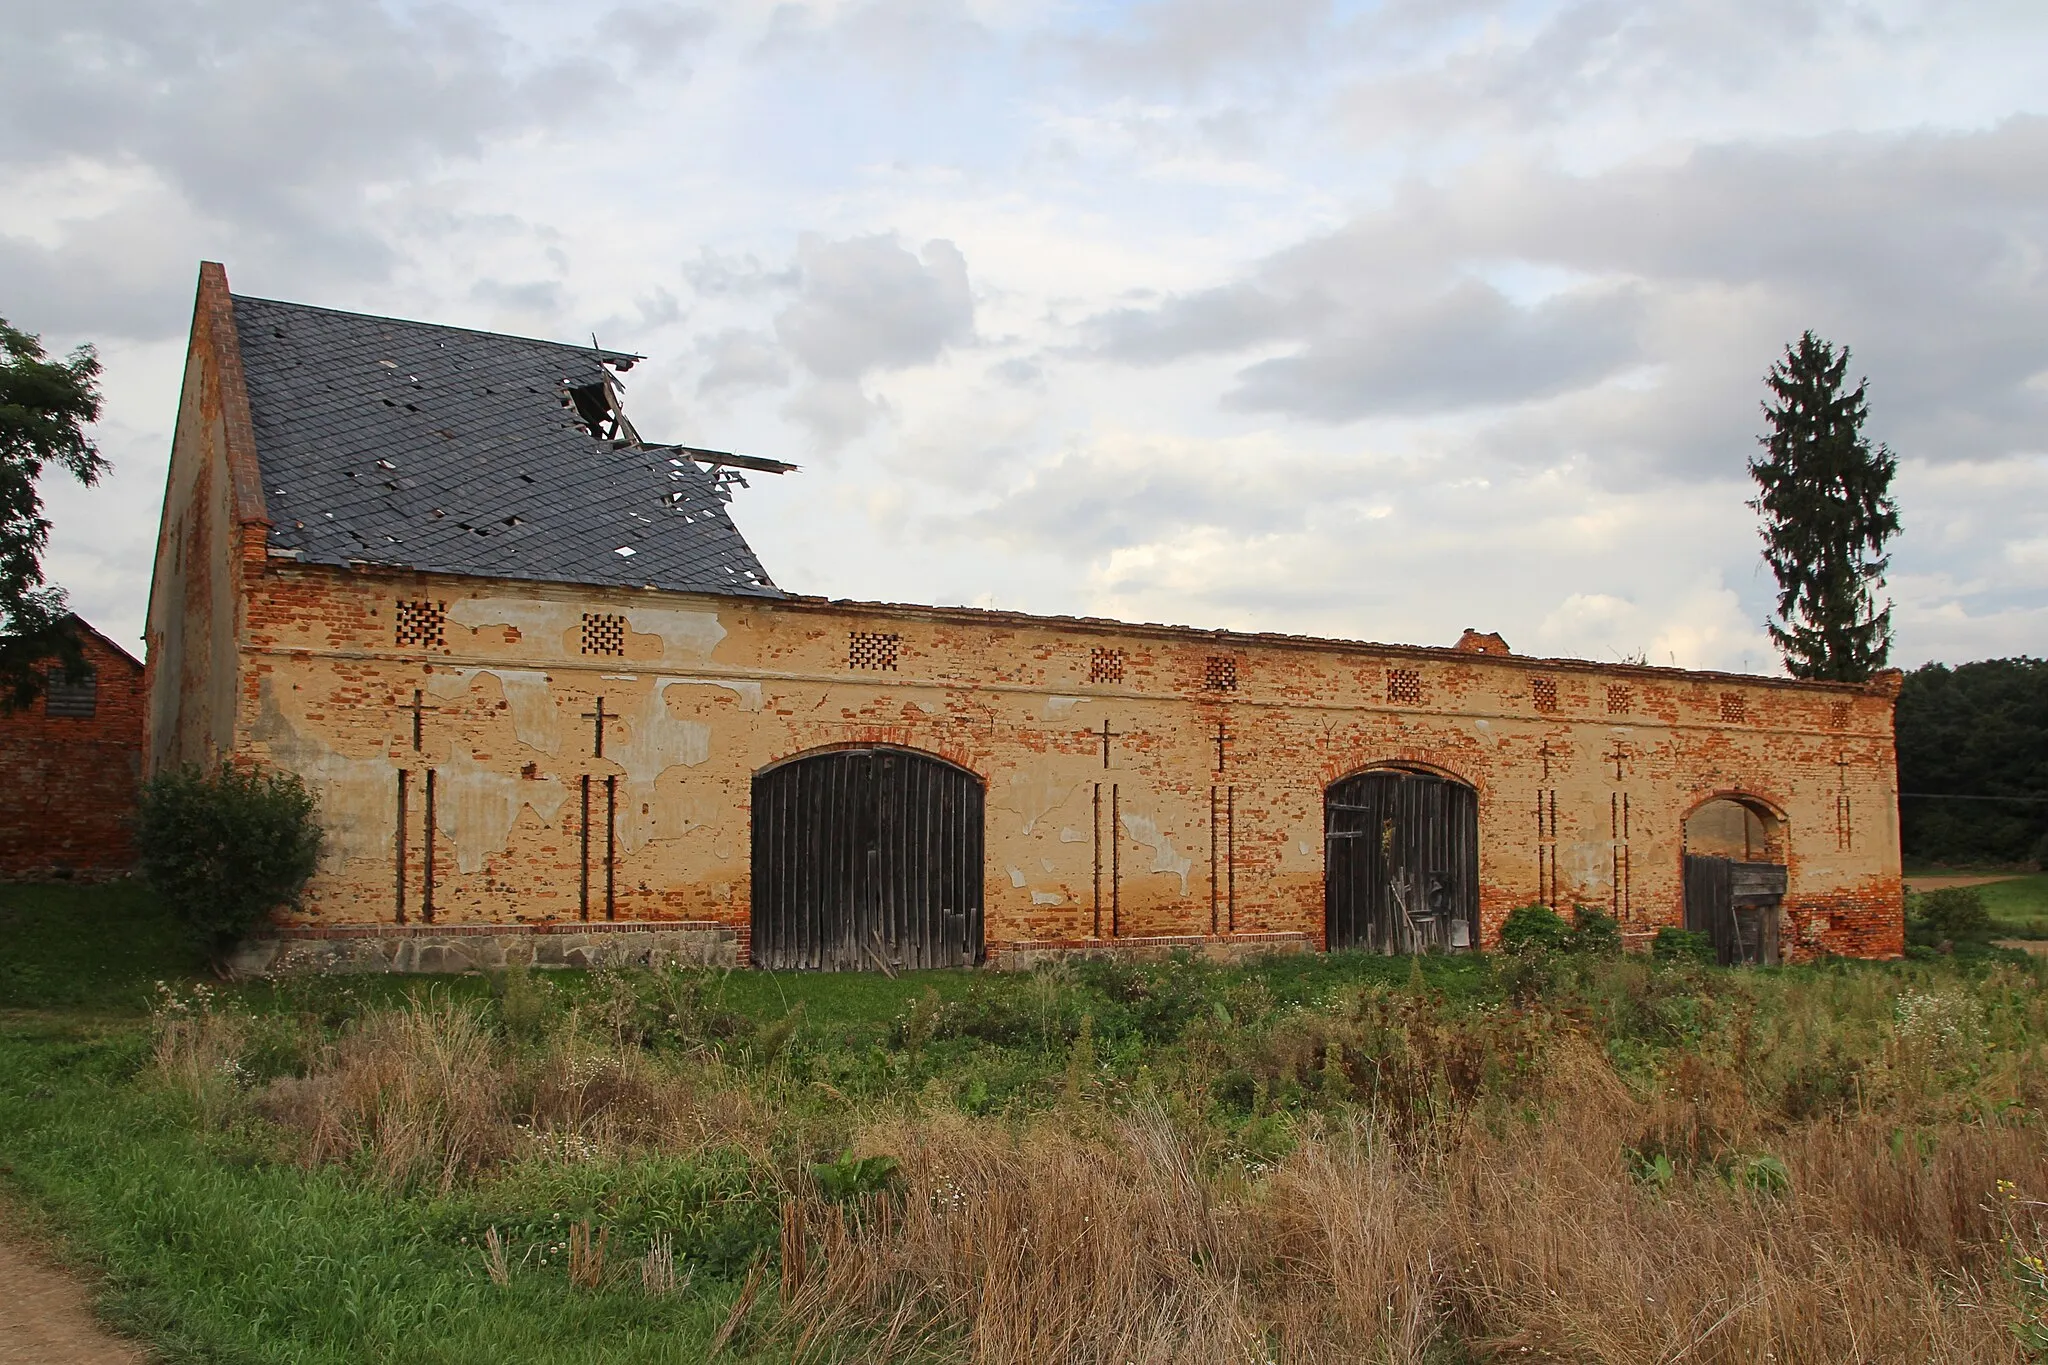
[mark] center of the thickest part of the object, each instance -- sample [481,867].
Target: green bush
[1595,933]
[1532,929]
[223,848]
[1682,945]
[1955,912]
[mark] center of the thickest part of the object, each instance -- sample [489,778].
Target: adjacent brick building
[70,768]
[543,688]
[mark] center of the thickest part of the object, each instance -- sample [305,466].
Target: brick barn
[555,710]
[71,766]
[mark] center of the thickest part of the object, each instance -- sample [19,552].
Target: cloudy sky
[1374,320]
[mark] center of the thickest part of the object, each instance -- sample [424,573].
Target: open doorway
[1735,878]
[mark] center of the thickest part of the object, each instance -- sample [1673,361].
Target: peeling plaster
[747,691]
[655,742]
[685,635]
[1034,793]
[1145,831]
[534,717]
[1047,898]
[1016,876]
[357,796]
[1070,835]
[1055,707]
[548,621]
[478,807]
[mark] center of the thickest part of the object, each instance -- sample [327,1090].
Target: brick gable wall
[68,784]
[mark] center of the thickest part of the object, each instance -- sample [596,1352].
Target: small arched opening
[1735,876]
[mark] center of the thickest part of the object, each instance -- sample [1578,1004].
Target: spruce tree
[1825,497]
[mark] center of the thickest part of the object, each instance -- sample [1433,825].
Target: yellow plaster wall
[708,690]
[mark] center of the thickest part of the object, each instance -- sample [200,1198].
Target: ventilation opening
[1619,699]
[1544,692]
[1219,674]
[74,696]
[1734,708]
[604,634]
[871,649]
[422,623]
[1404,685]
[1105,665]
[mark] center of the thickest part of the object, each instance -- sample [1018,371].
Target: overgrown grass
[1306,1159]
[2019,904]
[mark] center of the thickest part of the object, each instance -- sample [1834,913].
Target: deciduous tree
[45,407]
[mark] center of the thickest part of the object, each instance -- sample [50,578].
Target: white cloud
[1378,321]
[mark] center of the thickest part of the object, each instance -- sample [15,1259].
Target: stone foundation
[1229,948]
[447,949]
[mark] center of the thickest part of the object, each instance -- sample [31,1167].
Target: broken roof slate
[409,445]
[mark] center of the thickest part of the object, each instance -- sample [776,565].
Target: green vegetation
[1965,733]
[222,847]
[1825,496]
[45,407]
[1568,1154]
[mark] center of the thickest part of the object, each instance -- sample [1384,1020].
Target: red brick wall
[68,784]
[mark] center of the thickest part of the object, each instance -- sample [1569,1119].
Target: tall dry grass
[1520,1239]
[1816,1177]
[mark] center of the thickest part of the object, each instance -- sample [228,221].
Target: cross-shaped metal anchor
[419,711]
[1619,755]
[1107,735]
[597,719]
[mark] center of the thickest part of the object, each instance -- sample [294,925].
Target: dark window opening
[74,695]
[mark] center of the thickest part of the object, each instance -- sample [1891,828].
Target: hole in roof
[625,551]
[513,521]
[388,364]
[386,464]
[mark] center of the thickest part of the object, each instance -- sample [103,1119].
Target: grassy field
[1307,1159]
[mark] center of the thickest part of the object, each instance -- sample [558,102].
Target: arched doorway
[866,858]
[1401,862]
[1735,877]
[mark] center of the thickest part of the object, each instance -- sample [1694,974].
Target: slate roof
[404,444]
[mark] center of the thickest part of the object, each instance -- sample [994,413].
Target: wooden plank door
[865,858]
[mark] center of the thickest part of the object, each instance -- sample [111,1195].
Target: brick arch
[1430,761]
[878,740]
[1777,824]
[1744,796]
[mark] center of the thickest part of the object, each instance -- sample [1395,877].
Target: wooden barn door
[1737,905]
[1401,870]
[865,858]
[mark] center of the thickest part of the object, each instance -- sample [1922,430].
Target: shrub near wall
[224,847]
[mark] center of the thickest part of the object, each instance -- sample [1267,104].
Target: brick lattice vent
[423,623]
[1219,674]
[872,649]
[1544,692]
[1404,685]
[1734,709]
[1620,700]
[603,634]
[1105,665]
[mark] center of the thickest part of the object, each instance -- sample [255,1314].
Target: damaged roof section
[408,445]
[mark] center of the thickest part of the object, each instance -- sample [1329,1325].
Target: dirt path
[45,1317]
